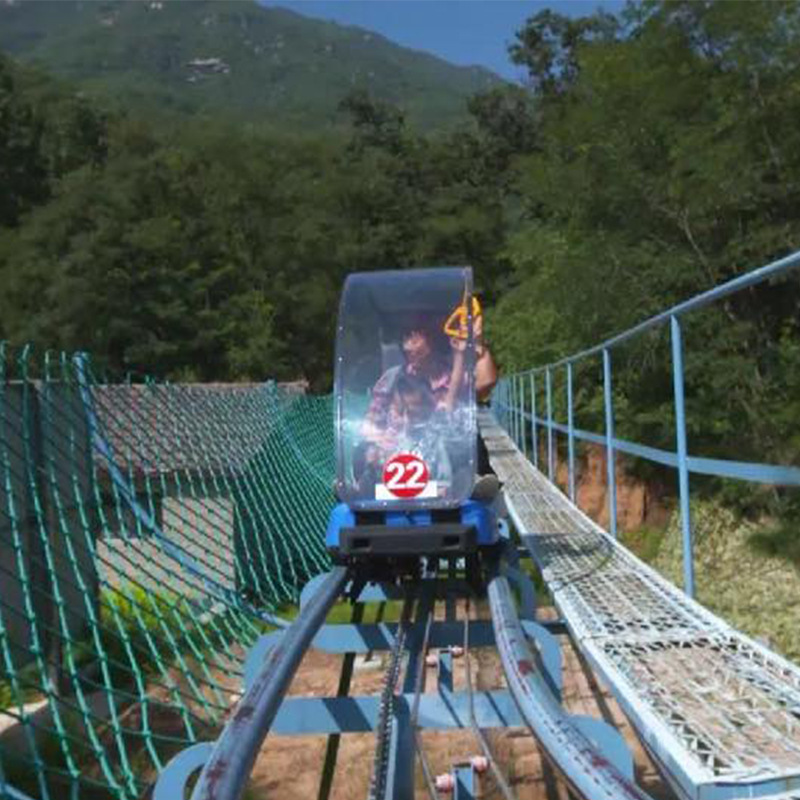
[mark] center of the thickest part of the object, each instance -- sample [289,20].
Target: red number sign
[405,475]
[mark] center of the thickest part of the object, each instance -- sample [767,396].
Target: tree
[549,44]
[23,175]
[666,162]
[376,123]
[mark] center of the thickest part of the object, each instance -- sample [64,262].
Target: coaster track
[637,617]
[718,712]
[586,766]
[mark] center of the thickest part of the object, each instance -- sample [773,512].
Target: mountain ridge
[257,63]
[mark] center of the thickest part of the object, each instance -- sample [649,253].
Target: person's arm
[485,372]
[456,375]
[375,419]
[485,368]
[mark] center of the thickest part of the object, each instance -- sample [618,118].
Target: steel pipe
[590,774]
[227,771]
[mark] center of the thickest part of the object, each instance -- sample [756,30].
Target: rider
[428,366]
[401,426]
[426,358]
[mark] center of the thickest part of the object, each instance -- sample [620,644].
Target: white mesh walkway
[719,712]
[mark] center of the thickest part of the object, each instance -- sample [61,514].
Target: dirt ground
[289,768]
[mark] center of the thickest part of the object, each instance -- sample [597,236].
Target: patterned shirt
[381,425]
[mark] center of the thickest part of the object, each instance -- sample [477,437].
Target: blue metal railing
[511,396]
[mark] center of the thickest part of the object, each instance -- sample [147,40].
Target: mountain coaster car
[406,422]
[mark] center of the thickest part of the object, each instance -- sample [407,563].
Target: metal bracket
[445,677]
[349,637]
[608,740]
[299,716]
[464,780]
[527,592]
[550,653]
[172,780]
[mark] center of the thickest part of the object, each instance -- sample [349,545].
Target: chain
[377,787]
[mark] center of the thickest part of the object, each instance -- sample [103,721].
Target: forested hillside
[650,157]
[234,59]
[664,161]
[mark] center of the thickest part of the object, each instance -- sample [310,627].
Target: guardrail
[515,398]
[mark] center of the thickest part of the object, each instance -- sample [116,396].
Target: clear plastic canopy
[404,389]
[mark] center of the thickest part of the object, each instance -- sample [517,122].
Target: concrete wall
[46,516]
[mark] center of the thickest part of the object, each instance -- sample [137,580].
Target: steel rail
[420,680]
[752,278]
[228,769]
[343,690]
[589,773]
[754,472]
[505,789]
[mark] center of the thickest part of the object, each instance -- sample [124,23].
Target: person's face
[416,348]
[414,408]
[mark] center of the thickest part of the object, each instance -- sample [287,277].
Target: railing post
[514,408]
[522,421]
[683,467]
[548,385]
[507,405]
[571,434]
[612,478]
[534,439]
[510,408]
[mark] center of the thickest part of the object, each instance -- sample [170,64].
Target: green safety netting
[148,533]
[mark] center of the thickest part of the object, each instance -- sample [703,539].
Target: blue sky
[460,31]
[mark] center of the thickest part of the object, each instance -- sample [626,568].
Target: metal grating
[718,710]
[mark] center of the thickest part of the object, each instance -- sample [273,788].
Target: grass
[645,542]
[343,612]
[130,612]
[20,770]
[29,687]
[160,616]
[543,596]
[781,540]
[168,620]
[529,568]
